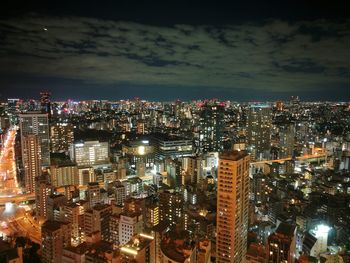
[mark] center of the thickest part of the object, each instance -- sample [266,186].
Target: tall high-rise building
[232,207]
[286,136]
[212,124]
[31,156]
[62,136]
[42,193]
[45,102]
[38,124]
[55,236]
[259,131]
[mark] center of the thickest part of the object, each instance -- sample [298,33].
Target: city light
[322,230]
[128,250]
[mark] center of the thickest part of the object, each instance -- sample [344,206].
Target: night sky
[244,51]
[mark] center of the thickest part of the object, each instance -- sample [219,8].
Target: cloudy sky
[243,52]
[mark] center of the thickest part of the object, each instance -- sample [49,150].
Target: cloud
[275,56]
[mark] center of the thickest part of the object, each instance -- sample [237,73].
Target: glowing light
[129,250]
[141,150]
[146,236]
[9,208]
[322,230]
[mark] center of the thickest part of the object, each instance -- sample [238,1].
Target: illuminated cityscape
[128,137]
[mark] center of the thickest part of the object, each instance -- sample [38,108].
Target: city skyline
[159,52]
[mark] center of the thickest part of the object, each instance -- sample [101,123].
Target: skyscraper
[62,136]
[259,131]
[31,156]
[286,139]
[38,124]
[45,102]
[212,126]
[42,193]
[232,207]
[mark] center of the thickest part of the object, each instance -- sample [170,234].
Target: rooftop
[286,229]
[53,225]
[233,155]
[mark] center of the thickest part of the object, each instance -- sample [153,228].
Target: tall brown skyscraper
[232,207]
[31,160]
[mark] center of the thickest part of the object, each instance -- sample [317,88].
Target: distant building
[34,123]
[167,146]
[139,151]
[89,153]
[212,124]
[93,194]
[45,102]
[259,131]
[62,136]
[64,174]
[286,136]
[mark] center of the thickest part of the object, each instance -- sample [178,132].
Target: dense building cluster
[166,182]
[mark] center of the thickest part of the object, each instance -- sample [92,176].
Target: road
[8,175]
[300,158]
[14,218]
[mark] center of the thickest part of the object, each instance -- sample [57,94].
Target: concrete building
[129,225]
[171,207]
[281,245]
[259,131]
[35,123]
[232,205]
[93,194]
[212,124]
[89,153]
[140,249]
[73,213]
[42,193]
[55,236]
[64,174]
[32,161]
[167,146]
[62,136]
[97,220]
[176,247]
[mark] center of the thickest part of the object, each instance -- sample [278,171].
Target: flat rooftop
[233,155]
